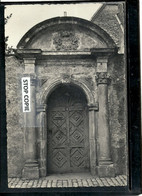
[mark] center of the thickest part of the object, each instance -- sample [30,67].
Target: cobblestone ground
[56,181]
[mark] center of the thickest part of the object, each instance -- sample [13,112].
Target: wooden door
[67,132]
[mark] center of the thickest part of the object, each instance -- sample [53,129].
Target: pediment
[66,34]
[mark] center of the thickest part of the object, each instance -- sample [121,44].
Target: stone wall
[109,22]
[118,112]
[112,23]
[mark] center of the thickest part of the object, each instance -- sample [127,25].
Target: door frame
[42,110]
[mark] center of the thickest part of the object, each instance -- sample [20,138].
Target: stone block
[106,170]
[30,172]
[42,172]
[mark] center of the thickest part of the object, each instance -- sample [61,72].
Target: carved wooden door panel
[67,149]
[78,139]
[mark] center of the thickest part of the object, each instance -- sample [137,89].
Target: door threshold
[70,175]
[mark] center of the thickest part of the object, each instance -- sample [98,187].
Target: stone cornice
[27,53]
[39,54]
[103,52]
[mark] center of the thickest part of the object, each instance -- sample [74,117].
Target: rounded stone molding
[57,21]
[47,91]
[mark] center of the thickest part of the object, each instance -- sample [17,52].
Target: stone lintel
[94,107]
[41,108]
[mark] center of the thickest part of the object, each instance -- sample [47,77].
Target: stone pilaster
[30,170]
[92,138]
[42,139]
[105,165]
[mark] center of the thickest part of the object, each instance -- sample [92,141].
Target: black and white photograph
[66,95]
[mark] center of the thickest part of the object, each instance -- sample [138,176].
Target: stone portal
[70,129]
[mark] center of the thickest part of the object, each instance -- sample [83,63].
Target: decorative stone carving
[66,78]
[66,40]
[102,78]
[42,81]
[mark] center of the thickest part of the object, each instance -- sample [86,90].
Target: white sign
[26,94]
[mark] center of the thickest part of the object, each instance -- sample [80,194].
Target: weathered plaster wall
[118,112]
[15,134]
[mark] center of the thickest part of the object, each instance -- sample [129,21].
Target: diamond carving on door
[67,131]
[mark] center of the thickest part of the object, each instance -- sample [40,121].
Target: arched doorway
[67,130]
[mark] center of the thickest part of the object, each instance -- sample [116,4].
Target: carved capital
[102,78]
[94,107]
[41,108]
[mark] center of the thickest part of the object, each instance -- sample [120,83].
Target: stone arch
[42,157]
[58,21]
[56,83]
